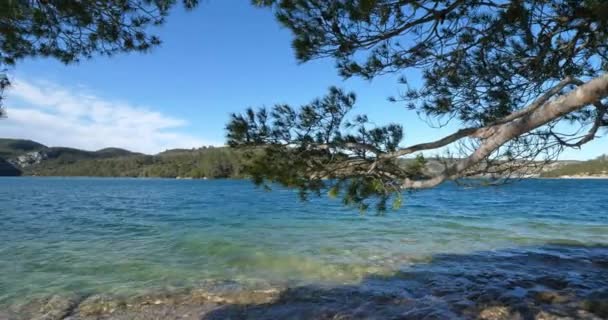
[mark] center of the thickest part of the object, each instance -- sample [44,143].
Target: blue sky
[220,58]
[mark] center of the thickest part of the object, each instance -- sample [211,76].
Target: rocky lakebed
[549,282]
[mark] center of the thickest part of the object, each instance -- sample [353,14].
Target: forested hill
[592,168]
[24,157]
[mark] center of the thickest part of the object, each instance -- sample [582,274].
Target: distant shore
[579,177]
[570,177]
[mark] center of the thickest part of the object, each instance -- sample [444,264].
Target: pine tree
[513,74]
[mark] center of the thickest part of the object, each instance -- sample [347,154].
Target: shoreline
[581,177]
[566,177]
[547,282]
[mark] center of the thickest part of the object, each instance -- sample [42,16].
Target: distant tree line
[199,163]
[595,167]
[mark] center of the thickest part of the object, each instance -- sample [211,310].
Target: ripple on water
[104,236]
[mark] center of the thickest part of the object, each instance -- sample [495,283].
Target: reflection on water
[121,237]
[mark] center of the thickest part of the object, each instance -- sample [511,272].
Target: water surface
[122,236]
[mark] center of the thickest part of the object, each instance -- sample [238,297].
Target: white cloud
[60,116]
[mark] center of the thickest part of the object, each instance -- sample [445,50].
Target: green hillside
[30,158]
[199,163]
[61,155]
[596,167]
[14,147]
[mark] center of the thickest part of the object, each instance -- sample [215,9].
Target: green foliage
[596,167]
[417,166]
[311,149]
[480,61]
[71,30]
[4,83]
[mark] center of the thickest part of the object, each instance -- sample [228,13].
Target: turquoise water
[127,235]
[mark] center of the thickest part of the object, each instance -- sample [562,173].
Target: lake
[125,237]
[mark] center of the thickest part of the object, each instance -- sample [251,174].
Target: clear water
[127,235]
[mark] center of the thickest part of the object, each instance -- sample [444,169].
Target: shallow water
[127,236]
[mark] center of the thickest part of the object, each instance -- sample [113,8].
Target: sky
[220,58]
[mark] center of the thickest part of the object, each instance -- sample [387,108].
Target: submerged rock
[58,307]
[100,305]
[496,313]
[553,282]
[597,303]
[234,293]
[550,297]
[54,307]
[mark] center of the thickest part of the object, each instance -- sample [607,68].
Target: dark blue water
[126,235]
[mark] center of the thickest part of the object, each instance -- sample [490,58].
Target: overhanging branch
[588,93]
[482,132]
